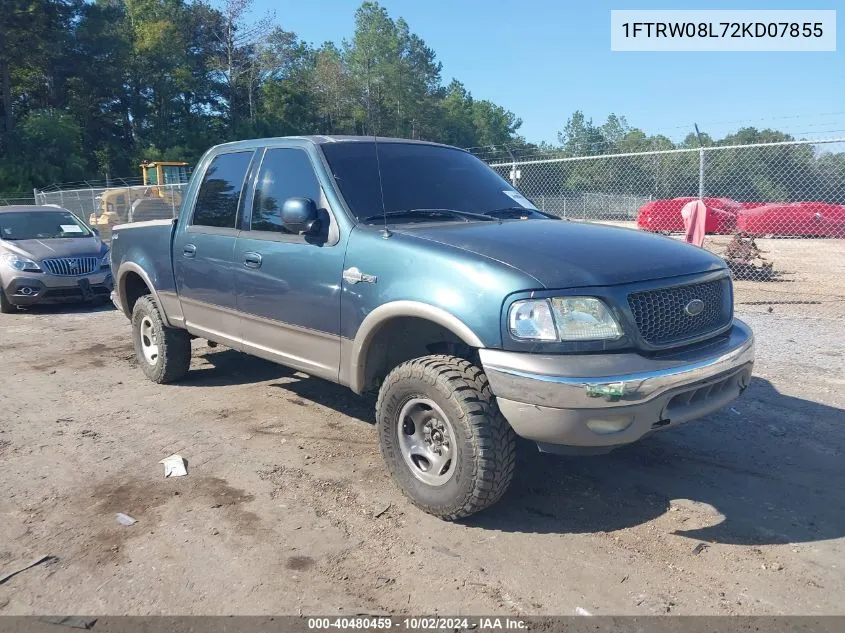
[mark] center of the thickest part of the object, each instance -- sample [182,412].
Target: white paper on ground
[174,466]
[519,199]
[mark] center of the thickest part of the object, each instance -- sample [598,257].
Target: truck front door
[203,251]
[288,285]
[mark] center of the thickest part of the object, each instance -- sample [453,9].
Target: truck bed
[148,245]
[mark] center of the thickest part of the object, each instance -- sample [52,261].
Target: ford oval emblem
[694,307]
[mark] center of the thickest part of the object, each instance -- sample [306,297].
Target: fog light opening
[606,426]
[26,291]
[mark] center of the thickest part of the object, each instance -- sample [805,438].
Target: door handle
[189,250]
[252,260]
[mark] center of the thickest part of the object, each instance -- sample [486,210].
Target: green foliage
[95,87]
[769,173]
[88,89]
[51,150]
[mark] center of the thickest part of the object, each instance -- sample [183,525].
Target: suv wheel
[6,306]
[164,353]
[446,444]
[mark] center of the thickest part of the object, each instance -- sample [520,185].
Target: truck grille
[71,266]
[661,315]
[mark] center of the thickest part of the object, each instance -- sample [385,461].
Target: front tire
[6,306]
[447,446]
[164,353]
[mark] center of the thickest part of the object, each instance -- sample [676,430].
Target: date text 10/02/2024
[417,623]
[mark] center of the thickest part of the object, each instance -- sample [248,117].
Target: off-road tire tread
[174,345]
[492,439]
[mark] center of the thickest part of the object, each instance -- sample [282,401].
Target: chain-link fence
[16,197]
[103,207]
[775,212]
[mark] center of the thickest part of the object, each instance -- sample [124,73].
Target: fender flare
[120,286]
[386,312]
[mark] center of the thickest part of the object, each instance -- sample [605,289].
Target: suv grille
[72,266]
[661,314]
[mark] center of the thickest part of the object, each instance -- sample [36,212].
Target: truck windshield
[418,179]
[43,225]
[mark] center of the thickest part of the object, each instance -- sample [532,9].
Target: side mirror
[95,231]
[299,215]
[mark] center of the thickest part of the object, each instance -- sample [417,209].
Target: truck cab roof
[320,139]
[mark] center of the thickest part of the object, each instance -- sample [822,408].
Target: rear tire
[6,306]
[447,446]
[164,353]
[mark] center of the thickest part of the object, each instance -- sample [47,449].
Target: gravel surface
[287,508]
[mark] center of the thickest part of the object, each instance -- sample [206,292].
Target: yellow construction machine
[160,196]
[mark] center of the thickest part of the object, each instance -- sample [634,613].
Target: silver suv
[48,255]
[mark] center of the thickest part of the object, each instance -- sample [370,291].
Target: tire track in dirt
[383,559]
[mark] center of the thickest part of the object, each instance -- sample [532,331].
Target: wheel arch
[381,342]
[133,282]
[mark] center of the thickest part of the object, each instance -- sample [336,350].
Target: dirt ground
[287,508]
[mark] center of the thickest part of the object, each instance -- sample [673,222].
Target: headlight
[105,262]
[532,320]
[584,319]
[562,319]
[16,262]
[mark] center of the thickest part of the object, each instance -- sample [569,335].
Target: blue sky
[544,59]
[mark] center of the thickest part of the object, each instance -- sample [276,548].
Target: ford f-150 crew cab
[412,270]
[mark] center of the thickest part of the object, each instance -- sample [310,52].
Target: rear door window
[285,173]
[220,191]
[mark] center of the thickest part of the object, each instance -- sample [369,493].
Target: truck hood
[63,247]
[561,254]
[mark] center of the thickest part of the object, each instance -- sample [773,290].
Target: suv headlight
[105,261]
[562,319]
[16,262]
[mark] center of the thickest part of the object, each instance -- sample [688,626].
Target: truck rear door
[203,250]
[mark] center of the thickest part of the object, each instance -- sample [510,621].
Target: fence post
[700,173]
[35,195]
[513,174]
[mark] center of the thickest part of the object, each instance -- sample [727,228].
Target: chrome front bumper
[557,399]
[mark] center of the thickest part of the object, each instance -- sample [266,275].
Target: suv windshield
[426,181]
[44,225]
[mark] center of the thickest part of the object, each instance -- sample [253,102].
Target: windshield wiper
[516,212]
[463,215]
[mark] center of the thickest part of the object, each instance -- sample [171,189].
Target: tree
[333,90]
[279,56]
[127,80]
[372,58]
[240,43]
[51,144]
[580,137]
[458,116]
